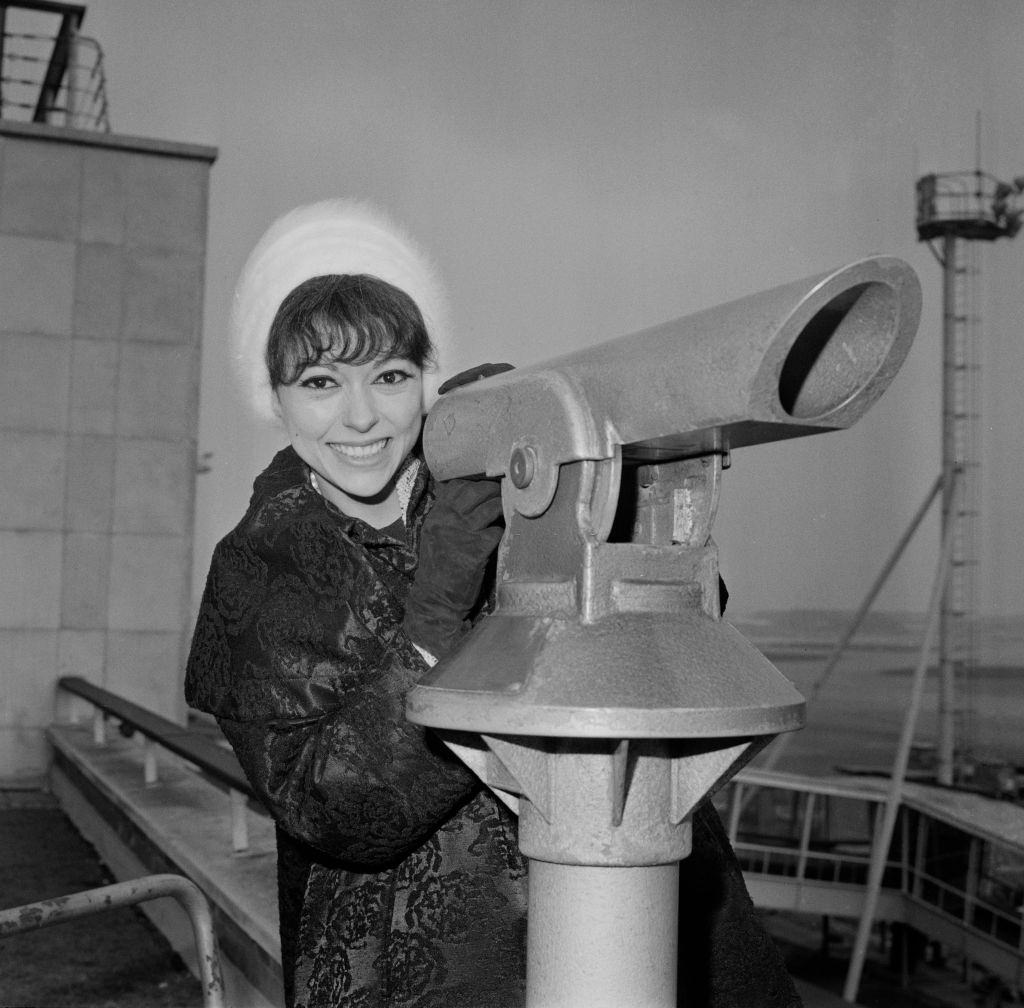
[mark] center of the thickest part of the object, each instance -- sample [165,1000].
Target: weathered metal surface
[605,939]
[611,640]
[671,674]
[46,913]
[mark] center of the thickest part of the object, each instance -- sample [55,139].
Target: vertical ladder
[958,623]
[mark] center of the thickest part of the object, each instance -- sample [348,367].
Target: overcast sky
[580,170]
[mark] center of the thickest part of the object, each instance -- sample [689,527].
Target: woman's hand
[457,540]
[458,537]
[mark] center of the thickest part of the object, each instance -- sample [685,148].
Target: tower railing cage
[974,204]
[49,71]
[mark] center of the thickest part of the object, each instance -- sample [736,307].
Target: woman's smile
[361,453]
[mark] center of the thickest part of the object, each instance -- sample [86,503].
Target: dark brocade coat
[400,879]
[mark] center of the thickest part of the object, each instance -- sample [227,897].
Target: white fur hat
[331,237]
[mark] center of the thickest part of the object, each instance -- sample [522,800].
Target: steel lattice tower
[955,210]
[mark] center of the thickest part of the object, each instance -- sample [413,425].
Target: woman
[400,878]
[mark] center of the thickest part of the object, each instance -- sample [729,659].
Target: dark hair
[351,318]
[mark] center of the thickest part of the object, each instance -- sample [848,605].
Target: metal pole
[601,937]
[99,727]
[883,836]
[72,77]
[779,746]
[46,913]
[239,821]
[3,46]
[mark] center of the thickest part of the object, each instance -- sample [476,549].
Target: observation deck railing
[954,870]
[46,913]
[955,864]
[49,72]
[216,763]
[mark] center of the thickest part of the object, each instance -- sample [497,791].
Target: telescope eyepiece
[839,351]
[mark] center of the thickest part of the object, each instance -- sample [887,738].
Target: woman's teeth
[360,451]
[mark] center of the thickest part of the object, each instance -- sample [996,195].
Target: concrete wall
[102,255]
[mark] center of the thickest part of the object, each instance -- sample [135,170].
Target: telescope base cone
[628,675]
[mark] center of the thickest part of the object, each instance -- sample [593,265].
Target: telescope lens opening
[838,351]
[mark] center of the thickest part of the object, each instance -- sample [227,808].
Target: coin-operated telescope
[605,697]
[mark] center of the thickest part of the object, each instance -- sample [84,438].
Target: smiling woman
[400,879]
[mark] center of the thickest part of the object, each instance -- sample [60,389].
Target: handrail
[45,913]
[219,764]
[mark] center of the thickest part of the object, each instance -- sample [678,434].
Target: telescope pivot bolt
[522,466]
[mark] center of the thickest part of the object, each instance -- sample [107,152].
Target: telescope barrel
[805,357]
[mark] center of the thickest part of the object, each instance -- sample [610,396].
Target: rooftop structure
[972,205]
[49,71]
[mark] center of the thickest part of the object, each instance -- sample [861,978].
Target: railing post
[149,772]
[919,852]
[71,104]
[805,835]
[239,822]
[99,727]
[65,706]
[973,874]
[904,850]
[3,40]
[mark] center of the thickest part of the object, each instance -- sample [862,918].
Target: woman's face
[353,425]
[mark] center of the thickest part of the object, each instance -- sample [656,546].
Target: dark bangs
[351,319]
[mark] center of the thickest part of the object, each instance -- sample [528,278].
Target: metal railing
[971,913]
[828,867]
[971,204]
[59,910]
[808,856]
[212,760]
[50,72]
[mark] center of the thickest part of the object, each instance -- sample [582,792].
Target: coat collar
[288,476]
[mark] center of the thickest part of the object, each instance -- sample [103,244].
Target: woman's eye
[318,382]
[393,377]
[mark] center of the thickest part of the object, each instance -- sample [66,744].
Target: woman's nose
[359,411]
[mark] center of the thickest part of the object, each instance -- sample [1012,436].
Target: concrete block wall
[102,251]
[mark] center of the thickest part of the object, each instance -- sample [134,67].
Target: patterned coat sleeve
[299,653]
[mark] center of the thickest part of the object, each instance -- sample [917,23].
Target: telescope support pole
[889,811]
[779,747]
[602,937]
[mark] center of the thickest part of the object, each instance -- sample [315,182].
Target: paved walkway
[113,960]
